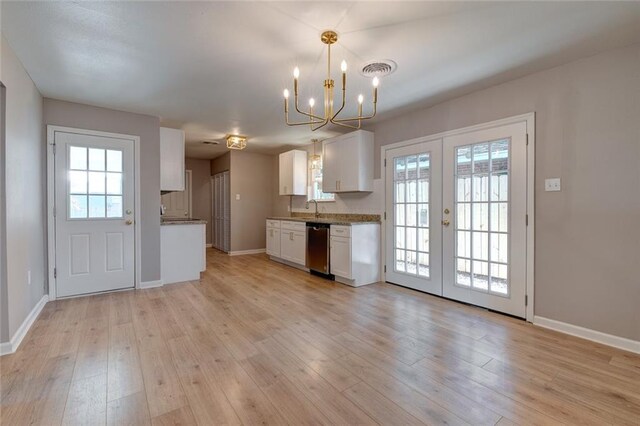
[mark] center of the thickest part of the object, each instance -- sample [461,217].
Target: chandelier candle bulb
[375,82]
[296,73]
[343,66]
[360,99]
[286,93]
[312,102]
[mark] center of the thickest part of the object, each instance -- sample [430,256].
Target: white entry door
[94,218]
[414,204]
[485,234]
[456,217]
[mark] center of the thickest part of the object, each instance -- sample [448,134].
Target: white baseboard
[208,246]
[150,284]
[12,345]
[243,252]
[586,333]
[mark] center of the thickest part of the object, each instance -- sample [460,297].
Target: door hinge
[526,300]
[527,138]
[385,162]
[385,215]
[54,148]
[385,268]
[54,211]
[55,272]
[526,220]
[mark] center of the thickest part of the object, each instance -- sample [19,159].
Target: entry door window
[94,183]
[411,219]
[482,213]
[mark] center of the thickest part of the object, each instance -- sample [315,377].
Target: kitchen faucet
[313,201]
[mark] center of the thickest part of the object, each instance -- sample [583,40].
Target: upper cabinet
[171,159]
[293,173]
[347,163]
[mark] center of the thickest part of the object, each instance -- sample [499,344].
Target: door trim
[529,119]
[51,235]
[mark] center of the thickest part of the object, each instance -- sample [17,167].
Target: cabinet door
[286,245]
[331,166]
[285,166]
[341,256]
[349,163]
[273,242]
[299,247]
[171,159]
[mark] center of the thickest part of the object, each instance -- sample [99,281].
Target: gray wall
[587,133]
[4,305]
[25,195]
[81,116]
[251,177]
[201,190]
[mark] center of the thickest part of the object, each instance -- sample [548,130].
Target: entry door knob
[445,222]
[129,222]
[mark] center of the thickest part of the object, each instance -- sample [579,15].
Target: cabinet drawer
[293,226]
[273,223]
[340,231]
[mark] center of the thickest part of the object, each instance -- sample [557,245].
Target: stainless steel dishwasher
[318,249]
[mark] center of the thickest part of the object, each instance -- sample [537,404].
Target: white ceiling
[214,68]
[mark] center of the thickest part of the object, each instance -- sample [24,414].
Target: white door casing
[413,206]
[94,196]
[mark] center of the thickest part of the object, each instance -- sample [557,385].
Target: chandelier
[329,116]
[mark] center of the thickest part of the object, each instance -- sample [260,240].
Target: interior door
[413,206]
[484,232]
[178,203]
[94,218]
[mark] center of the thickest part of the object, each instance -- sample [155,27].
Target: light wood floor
[257,342]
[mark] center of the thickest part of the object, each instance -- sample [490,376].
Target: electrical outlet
[552,185]
[29,277]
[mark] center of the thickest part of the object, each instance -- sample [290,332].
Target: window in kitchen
[315,179]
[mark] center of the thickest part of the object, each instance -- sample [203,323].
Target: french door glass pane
[411,219]
[482,216]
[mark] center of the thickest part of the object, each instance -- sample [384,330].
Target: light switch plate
[237,196]
[551,185]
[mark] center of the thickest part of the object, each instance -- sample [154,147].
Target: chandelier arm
[342,120]
[312,116]
[349,126]
[306,123]
[313,129]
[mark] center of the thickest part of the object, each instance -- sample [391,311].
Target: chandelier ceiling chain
[329,116]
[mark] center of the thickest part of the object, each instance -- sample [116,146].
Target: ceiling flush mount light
[236,142]
[329,116]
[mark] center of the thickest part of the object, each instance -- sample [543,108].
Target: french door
[414,197]
[94,218]
[472,188]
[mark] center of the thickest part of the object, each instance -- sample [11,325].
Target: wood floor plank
[161,382]
[128,410]
[180,417]
[124,371]
[381,409]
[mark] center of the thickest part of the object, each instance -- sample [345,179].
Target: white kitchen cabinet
[273,238]
[293,172]
[293,242]
[355,253]
[182,252]
[347,163]
[172,168]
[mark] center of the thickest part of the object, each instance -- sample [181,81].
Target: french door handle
[446,222]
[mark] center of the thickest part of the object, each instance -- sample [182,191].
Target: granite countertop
[181,221]
[332,221]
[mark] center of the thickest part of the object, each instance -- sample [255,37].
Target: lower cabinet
[287,240]
[355,253]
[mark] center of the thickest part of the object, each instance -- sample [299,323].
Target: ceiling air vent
[211,142]
[379,68]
